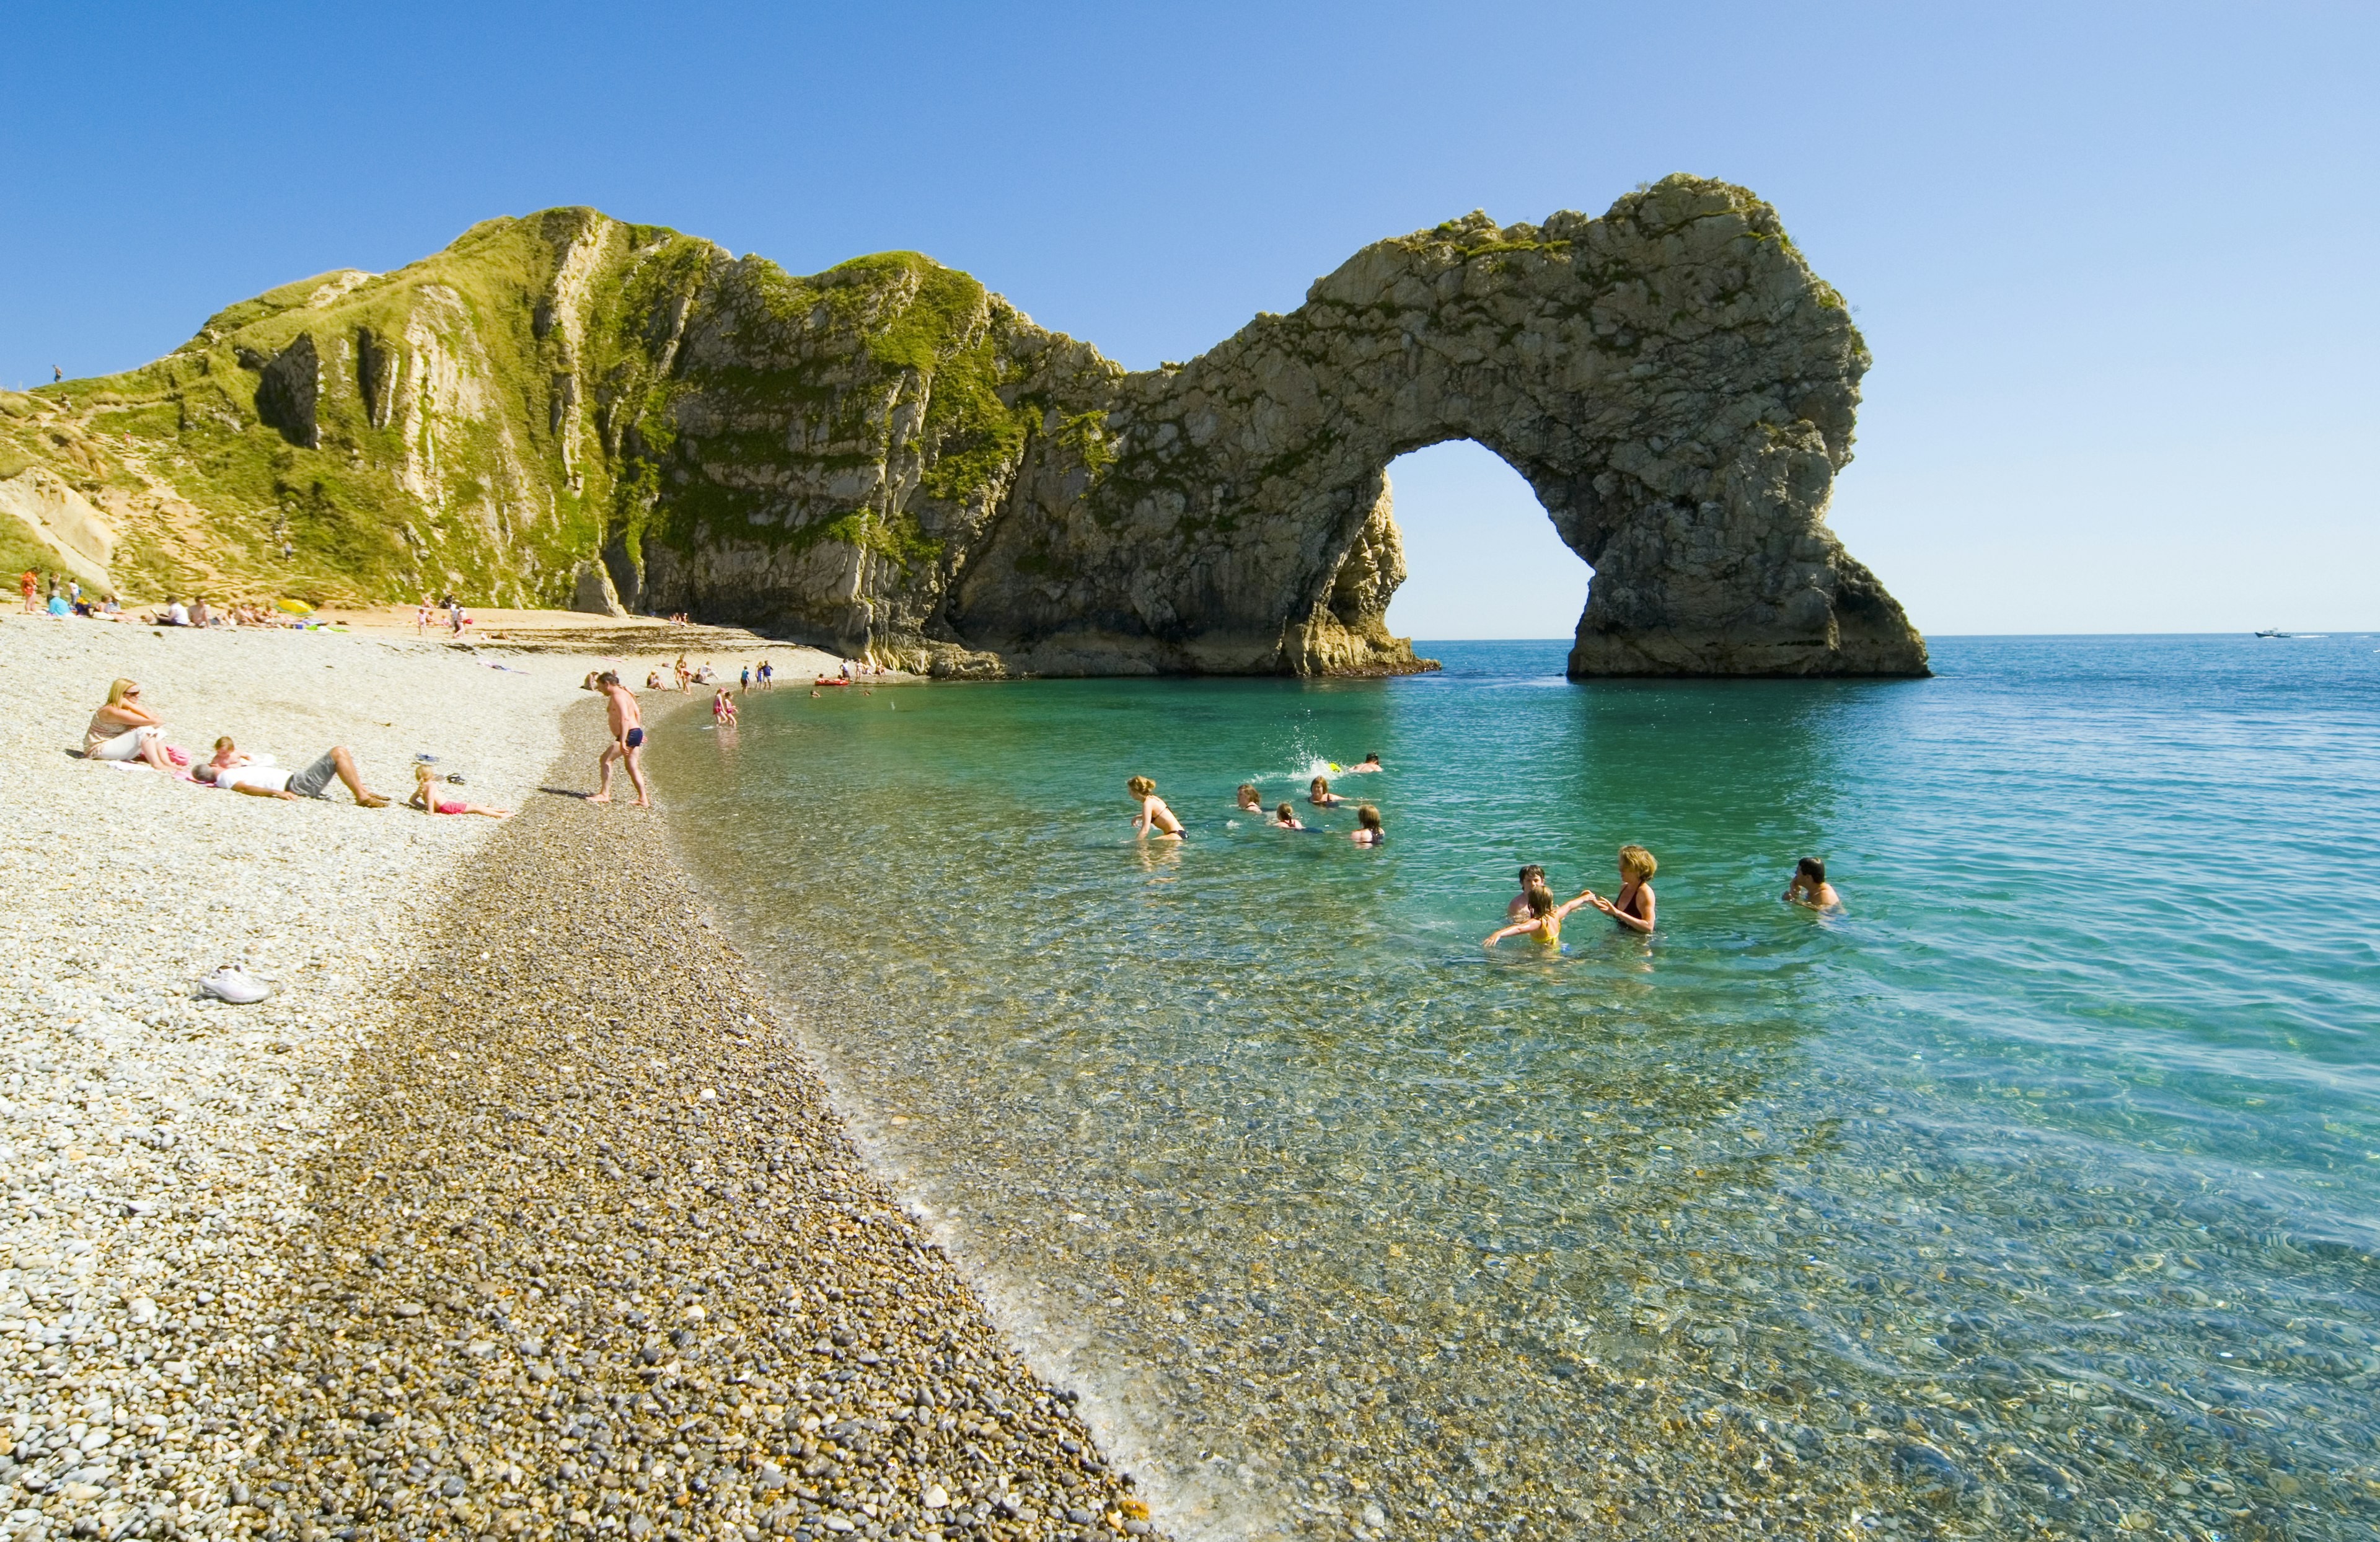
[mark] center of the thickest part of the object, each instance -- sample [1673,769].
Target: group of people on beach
[125,730]
[66,596]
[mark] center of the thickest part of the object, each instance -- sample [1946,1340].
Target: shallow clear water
[2041,1189]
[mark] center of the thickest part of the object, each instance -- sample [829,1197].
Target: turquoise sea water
[2040,1191]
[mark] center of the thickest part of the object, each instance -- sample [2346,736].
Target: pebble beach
[513,1210]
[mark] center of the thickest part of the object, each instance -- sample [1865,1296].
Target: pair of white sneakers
[231,983]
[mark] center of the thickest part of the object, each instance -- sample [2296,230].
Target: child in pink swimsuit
[427,801]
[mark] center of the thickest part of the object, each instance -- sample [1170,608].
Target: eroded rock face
[888,459]
[1672,380]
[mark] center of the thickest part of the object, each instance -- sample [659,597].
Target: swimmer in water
[1632,906]
[1285,818]
[1155,817]
[1249,803]
[1545,917]
[1519,905]
[1318,793]
[1810,886]
[1370,763]
[1368,831]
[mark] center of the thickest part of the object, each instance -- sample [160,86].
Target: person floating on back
[1155,817]
[1543,923]
[1810,886]
[1632,906]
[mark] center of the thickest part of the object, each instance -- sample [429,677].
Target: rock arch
[1671,379]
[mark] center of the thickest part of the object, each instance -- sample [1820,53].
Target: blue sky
[2116,263]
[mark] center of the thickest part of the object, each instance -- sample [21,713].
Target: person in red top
[29,583]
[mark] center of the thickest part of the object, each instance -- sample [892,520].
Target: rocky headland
[886,459]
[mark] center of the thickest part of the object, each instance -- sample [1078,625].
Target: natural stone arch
[1671,379]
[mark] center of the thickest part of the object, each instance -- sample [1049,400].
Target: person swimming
[1155,817]
[1632,906]
[1545,917]
[1285,818]
[1249,802]
[1810,887]
[1368,831]
[1370,763]
[1318,793]
[1520,902]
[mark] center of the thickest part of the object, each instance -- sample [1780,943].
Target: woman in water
[1248,801]
[1545,917]
[1318,793]
[1632,906]
[1368,831]
[1285,818]
[1155,817]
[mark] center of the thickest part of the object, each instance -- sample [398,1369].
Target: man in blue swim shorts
[627,738]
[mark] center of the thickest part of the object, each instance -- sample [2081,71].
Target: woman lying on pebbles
[124,730]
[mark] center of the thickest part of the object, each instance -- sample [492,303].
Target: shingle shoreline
[594,1256]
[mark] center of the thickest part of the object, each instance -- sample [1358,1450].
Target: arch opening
[1483,560]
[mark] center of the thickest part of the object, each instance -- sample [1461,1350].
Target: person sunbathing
[425,797]
[124,730]
[244,774]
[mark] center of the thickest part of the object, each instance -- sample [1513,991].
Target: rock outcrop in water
[887,458]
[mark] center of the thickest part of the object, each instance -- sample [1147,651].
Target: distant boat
[2272,632]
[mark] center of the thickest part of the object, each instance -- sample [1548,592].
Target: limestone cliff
[568,409]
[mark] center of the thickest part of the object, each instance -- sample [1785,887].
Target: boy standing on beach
[627,738]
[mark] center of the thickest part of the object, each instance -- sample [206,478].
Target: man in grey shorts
[230,768]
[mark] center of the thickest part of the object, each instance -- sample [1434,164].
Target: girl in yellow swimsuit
[1544,918]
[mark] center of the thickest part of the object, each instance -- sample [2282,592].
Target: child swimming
[1544,918]
[1368,831]
[1632,906]
[1285,818]
[1810,886]
[1155,817]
